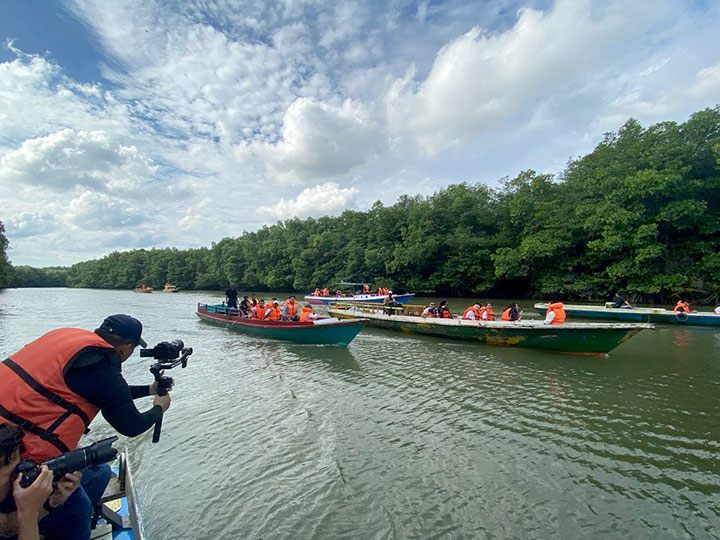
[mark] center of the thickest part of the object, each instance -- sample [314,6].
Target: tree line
[639,214]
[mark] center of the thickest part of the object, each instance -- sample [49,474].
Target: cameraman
[21,508]
[53,388]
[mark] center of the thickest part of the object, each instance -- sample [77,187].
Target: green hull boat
[573,338]
[647,315]
[319,332]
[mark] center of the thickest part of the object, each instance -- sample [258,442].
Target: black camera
[76,460]
[165,350]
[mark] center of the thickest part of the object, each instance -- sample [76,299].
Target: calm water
[401,436]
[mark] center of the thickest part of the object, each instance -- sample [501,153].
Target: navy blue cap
[124,326]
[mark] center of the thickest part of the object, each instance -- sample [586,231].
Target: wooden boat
[574,338]
[119,510]
[647,315]
[322,331]
[169,287]
[361,298]
[143,289]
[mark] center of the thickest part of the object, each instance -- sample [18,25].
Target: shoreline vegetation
[639,214]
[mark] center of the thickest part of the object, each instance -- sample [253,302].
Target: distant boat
[574,338]
[322,331]
[651,315]
[143,289]
[357,296]
[169,287]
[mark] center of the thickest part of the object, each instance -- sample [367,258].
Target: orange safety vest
[272,313]
[291,308]
[683,305]
[506,315]
[490,313]
[445,313]
[366,289]
[34,395]
[316,293]
[326,292]
[304,313]
[258,311]
[557,307]
[474,310]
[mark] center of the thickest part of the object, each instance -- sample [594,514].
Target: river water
[401,436]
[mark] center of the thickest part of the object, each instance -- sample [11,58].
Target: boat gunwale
[279,325]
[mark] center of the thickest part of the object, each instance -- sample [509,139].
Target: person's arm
[550,317]
[29,501]
[102,384]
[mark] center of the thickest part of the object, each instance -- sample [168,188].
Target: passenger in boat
[430,311]
[253,301]
[392,305]
[366,288]
[307,313]
[290,310]
[21,508]
[326,292]
[619,302]
[338,294]
[316,292]
[81,372]
[244,306]
[444,311]
[512,313]
[486,312]
[231,297]
[717,309]
[682,307]
[272,312]
[555,313]
[472,313]
[258,311]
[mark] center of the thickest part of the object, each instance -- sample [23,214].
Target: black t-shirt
[231,294]
[619,301]
[96,375]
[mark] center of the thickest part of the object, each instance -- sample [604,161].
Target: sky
[156,123]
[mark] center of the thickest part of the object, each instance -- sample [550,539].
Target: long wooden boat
[322,331]
[119,509]
[647,315]
[574,338]
[169,287]
[143,289]
[360,298]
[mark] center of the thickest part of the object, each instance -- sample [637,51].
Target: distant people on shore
[512,313]
[555,313]
[444,310]
[619,302]
[430,311]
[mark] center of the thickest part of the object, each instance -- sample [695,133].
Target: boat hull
[331,333]
[645,315]
[578,338]
[362,298]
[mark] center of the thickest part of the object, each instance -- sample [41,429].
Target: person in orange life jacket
[253,300]
[316,292]
[555,313]
[21,508]
[258,311]
[289,312]
[444,310]
[307,313]
[682,307]
[486,313]
[472,313]
[53,388]
[511,313]
[326,292]
[366,288]
[272,312]
[430,311]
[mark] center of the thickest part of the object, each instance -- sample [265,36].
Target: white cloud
[321,200]
[95,211]
[707,82]
[319,140]
[66,159]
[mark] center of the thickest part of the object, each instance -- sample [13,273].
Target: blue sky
[138,124]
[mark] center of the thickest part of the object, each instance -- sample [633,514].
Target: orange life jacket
[683,305]
[304,313]
[474,310]
[366,289]
[272,313]
[291,308]
[316,293]
[258,311]
[557,307]
[33,393]
[326,292]
[506,315]
[445,313]
[490,313]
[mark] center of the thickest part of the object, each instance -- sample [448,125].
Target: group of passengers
[254,308]
[382,291]
[555,313]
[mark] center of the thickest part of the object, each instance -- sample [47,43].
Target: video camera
[169,354]
[76,460]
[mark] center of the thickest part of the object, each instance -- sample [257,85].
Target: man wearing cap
[54,387]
